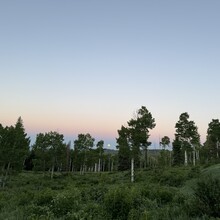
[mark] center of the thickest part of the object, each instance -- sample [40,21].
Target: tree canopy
[186,139]
[134,138]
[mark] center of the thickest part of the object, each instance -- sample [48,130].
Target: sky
[87,66]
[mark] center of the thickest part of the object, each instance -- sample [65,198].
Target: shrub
[33,211]
[66,201]
[118,203]
[194,172]
[95,193]
[44,197]
[206,200]
[161,194]
[174,177]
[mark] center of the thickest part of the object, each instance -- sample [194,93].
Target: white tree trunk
[194,157]
[132,170]
[186,160]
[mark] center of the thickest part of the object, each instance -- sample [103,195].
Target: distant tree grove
[50,153]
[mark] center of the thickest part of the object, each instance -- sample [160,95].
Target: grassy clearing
[155,194]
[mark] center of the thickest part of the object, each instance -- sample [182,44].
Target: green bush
[66,201]
[118,203]
[173,177]
[25,197]
[34,211]
[163,195]
[94,193]
[44,197]
[206,200]
[194,172]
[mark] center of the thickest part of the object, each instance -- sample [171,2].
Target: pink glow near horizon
[102,128]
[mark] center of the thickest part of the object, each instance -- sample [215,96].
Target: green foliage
[65,202]
[118,202]
[164,158]
[134,138]
[186,139]
[173,177]
[95,193]
[194,172]
[178,156]
[206,199]
[156,194]
[212,144]
[165,141]
[50,151]
[82,148]
[14,146]
[44,197]
[123,149]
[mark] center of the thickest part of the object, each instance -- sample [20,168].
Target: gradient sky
[87,66]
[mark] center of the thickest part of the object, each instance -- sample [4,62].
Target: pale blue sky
[86,66]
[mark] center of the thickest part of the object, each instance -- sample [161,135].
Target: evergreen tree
[14,146]
[139,129]
[124,159]
[21,145]
[165,141]
[212,144]
[178,156]
[187,138]
[100,150]
[165,155]
[134,138]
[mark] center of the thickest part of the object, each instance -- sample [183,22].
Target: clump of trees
[14,146]
[51,153]
[212,145]
[133,139]
[186,144]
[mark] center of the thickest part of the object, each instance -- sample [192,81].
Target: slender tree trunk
[186,160]
[99,167]
[44,165]
[170,158]
[109,164]
[103,166]
[95,170]
[7,171]
[69,166]
[132,170]
[145,159]
[72,169]
[52,169]
[52,172]
[81,169]
[197,155]
[112,166]
[194,156]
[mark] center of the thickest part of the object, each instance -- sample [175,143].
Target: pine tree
[134,138]
[21,145]
[124,159]
[187,139]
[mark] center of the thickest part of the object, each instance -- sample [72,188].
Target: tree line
[132,143]
[51,153]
